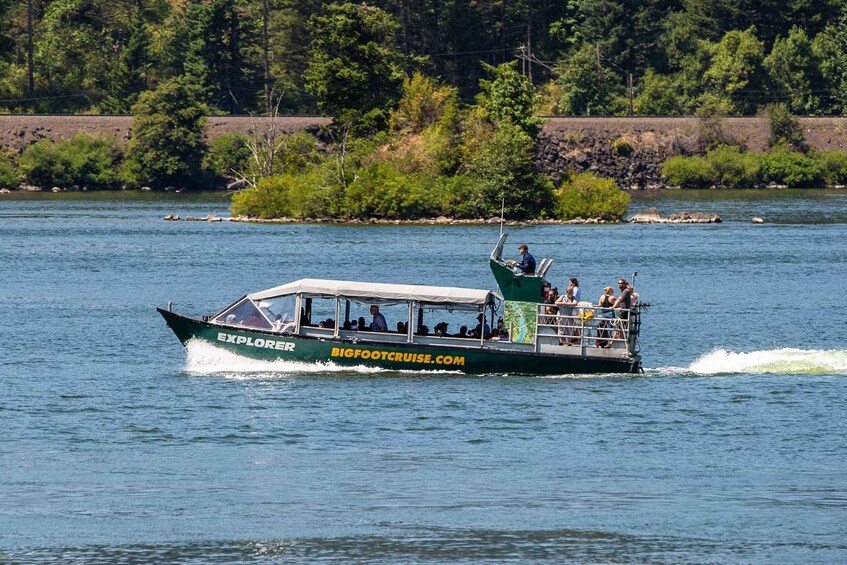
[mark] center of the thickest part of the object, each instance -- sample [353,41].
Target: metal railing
[587,327]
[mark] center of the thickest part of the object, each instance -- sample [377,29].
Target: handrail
[588,326]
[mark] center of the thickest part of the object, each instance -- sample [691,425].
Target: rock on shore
[652,216]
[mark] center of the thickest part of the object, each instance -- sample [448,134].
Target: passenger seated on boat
[363,327]
[527,264]
[328,323]
[401,328]
[347,325]
[379,324]
[441,329]
[481,329]
[423,330]
[463,332]
[354,325]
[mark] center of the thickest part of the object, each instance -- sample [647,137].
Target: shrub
[791,168]
[688,172]
[833,166]
[784,127]
[83,160]
[588,196]
[9,178]
[622,147]
[228,155]
[283,196]
[423,104]
[733,168]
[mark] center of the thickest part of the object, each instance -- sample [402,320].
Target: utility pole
[265,62]
[29,49]
[529,40]
[523,60]
[599,67]
[630,94]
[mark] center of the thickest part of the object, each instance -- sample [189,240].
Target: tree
[355,69]
[793,70]
[830,48]
[736,69]
[509,97]
[128,77]
[659,96]
[586,86]
[167,144]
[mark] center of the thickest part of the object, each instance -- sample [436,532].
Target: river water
[119,446]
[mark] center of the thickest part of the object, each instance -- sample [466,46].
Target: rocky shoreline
[649,216]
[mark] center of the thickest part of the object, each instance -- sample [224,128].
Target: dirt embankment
[566,144]
[17,131]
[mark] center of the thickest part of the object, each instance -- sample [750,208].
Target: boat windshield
[280,310]
[244,313]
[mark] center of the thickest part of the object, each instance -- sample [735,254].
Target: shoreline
[643,217]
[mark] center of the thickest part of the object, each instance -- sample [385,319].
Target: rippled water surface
[118,445]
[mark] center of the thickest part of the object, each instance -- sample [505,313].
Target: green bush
[784,127]
[688,172]
[833,166]
[733,168]
[588,196]
[793,169]
[228,155]
[84,160]
[9,178]
[622,147]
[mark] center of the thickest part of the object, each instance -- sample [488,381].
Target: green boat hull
[263,345]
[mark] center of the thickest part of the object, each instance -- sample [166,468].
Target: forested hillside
[585,57]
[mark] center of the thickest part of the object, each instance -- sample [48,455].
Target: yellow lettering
[335,352]
[348,353]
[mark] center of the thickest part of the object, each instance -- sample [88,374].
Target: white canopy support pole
[337,316]
[297,309]
[410,325]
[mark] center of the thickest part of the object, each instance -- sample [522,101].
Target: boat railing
[588,327]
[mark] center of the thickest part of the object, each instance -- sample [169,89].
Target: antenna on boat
[502,213]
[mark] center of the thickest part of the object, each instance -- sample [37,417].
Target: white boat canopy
[378,292]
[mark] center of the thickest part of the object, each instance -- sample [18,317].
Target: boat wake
[203,358]
[787,361]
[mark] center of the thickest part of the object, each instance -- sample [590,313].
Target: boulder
[55,189]
[647,216]
[5,191]
[758,220]
[694,218]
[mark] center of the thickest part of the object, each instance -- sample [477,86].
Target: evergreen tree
[355,69]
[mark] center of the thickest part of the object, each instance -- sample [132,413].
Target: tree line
[584,57]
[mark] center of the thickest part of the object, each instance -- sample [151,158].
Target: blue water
[118,446]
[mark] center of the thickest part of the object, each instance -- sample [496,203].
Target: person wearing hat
[482,328]
[527,264]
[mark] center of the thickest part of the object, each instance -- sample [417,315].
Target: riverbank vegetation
[434,104]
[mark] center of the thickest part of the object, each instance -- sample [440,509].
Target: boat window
[280,311]
[245,314]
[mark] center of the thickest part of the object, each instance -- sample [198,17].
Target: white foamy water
[204,358]
[780,361]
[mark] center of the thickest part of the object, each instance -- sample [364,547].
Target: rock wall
[588,144]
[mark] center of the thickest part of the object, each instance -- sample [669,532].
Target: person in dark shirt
[624,302]
[527,264]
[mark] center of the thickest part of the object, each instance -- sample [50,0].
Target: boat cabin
[322,308]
